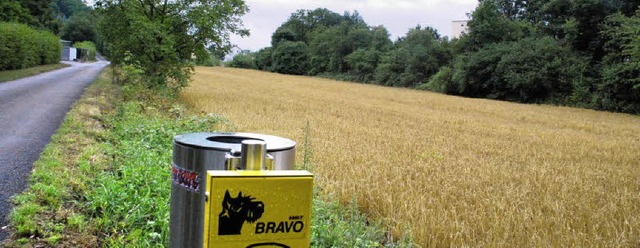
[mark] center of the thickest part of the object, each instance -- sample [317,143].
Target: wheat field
[446,170]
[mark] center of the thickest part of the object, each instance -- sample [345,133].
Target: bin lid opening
[232,141]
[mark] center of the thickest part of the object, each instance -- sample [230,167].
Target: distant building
[68,53]
[458,28]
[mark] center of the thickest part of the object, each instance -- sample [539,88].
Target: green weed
[77,221]
[130,200]
[333,225]
[24,218]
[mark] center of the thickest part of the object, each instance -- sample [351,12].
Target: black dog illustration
[235,211]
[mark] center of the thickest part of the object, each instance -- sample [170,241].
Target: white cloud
[375,4]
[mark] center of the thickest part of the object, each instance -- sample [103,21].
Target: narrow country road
[31,109]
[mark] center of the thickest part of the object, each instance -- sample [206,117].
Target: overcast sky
[398,16]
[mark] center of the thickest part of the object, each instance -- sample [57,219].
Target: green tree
[80,27]
[64,9]
[322,50]
[628,7]
[416,57]
[380,39]
[162,36]
[244,59]
[441,82]
[329,46]
[494,22]
[290,57]
[12,11]
[589,16]
[513,9]
[303,22]
[339,46]
[392,64]
[530,70]
[619,89]
[43,14]
[488,26]
[574,22]
[363,63]
[263,59]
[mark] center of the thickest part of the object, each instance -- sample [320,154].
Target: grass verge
[104,180]
[49,212]
[22,73]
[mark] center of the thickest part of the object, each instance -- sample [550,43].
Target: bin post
[254,153]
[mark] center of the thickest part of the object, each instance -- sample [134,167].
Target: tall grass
[449,171]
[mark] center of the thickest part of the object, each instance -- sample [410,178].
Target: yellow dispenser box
[258,209]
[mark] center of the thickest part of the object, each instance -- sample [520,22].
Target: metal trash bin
[193,155]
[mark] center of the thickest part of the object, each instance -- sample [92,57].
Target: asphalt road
[31,109]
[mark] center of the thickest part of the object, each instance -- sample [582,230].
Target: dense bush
[80,27]
[13,11]
[530,70]
[290,58]
[208,60]
[22,46]
[243,60]
[363,64]
[263,59]
[619,89]
[440,82]
[87,50]
[414,59]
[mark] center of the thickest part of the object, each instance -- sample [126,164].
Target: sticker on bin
[258,209]
[189,180]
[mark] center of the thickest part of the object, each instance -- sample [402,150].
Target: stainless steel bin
[193,155]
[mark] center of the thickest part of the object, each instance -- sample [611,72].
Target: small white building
[458,27]
[68,53]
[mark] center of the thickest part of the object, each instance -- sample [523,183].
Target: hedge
[22,46]
[86,50]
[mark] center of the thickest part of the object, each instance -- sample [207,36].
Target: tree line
[583,53]
[72,20]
